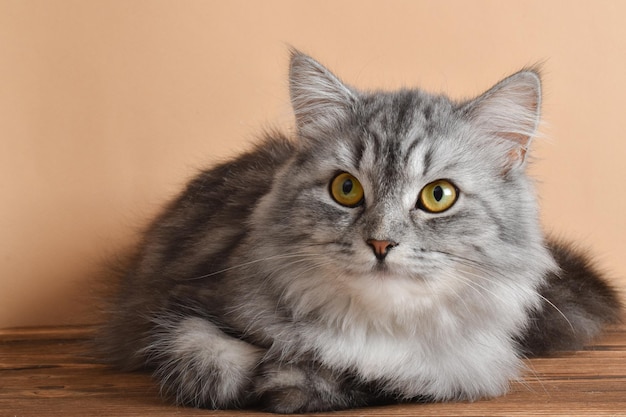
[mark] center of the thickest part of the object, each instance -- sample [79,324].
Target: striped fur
[255,288]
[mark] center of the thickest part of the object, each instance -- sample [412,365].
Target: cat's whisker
[245,264]
[471,283]
[301,273]
[313,261]
[488,275]
[528,368]
[454,292]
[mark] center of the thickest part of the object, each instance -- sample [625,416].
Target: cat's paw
[287,400]
[289,388]
[283,389]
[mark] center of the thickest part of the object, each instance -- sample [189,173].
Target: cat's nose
[381,247]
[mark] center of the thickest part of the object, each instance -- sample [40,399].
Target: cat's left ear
[319,99]
[510,110]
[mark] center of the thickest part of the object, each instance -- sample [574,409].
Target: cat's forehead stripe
[428,160]
[358,147]
[411,149]
[404,109]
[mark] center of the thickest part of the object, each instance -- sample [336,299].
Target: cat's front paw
[287,400]
[289,388]
[283,389]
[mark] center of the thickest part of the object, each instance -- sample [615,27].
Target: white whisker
[245,264]
[490,276]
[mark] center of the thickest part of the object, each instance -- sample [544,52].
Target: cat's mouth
[386,271]
[383,270]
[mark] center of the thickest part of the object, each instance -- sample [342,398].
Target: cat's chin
[386,271]
[383,269]
[386,292]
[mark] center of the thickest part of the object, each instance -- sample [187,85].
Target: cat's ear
[318,97]
[510,110]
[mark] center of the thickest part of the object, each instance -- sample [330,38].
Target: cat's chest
[441,366]
[374,355]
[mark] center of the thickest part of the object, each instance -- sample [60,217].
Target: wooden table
[42,373]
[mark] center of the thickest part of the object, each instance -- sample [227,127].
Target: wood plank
[44,371]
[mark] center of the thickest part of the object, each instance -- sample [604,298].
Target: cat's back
[215,206]
[186,245]
[230,189]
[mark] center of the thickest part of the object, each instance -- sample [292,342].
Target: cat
[389,251]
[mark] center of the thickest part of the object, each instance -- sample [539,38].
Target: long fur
[256,288]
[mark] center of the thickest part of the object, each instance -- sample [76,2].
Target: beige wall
[106,107]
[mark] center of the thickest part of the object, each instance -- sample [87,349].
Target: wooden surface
[43,373]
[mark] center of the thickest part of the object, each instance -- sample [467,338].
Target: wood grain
[44,372]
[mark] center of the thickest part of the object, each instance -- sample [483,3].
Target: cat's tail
[577,303]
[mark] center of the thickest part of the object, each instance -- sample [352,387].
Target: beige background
[106,107]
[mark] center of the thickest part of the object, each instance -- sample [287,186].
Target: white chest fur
[446,339]
[446,348]
[442,366]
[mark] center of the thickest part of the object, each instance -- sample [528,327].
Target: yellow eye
[346,190]
[438,196]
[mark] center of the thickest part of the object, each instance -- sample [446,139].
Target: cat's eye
[438,196]
[346,190]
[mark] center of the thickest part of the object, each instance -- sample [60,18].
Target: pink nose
[381,247]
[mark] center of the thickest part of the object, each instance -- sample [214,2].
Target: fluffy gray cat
[390,251]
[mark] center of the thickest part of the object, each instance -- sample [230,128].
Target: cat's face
[404,188]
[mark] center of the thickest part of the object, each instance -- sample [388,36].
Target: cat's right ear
[319,99]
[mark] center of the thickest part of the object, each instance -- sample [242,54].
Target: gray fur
[256,288]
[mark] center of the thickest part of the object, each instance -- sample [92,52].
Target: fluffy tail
[577,303]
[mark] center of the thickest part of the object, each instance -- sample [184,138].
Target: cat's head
[405,192]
